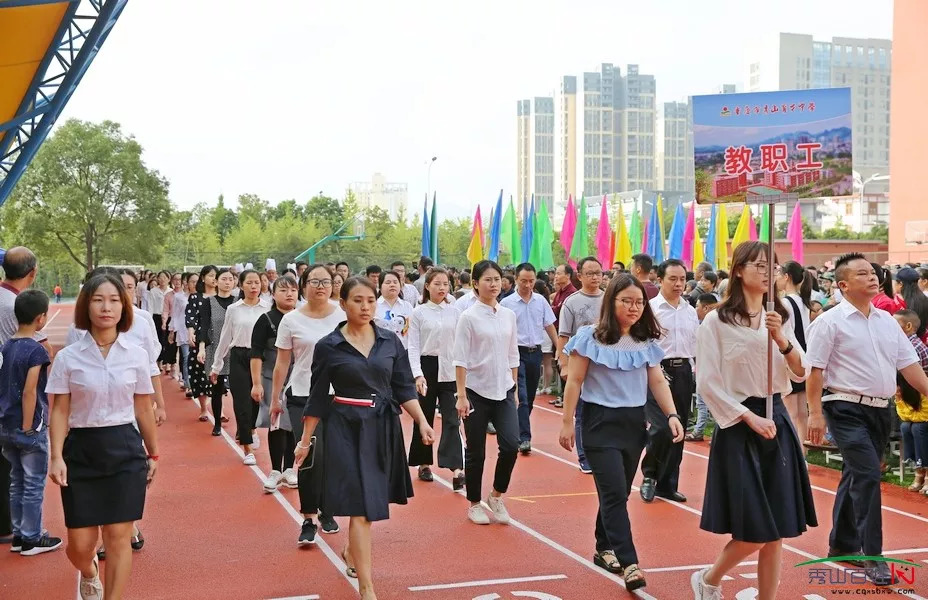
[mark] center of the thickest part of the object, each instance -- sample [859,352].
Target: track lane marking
[485,582]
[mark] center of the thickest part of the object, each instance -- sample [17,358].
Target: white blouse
[485,343]
[156,300]
[178,315]
[142,333]
[236,329]
[731,366]
[431,333]
[102,389]
[299,333]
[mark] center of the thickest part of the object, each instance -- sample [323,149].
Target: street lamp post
[863,185]
[428,188]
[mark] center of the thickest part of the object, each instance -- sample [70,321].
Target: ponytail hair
[885,278]
[801,278]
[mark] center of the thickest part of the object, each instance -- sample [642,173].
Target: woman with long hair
[205,287]
[337,282]
[266,295]
[280,442]
[612,366]
[101,389]
[486,361]
[795,283]
[298,334]
[888,299]
[393,313]
[211,319]
[365,461]
[169,350]
[907,280]
[235,342]
[431,339]
[178,325]
[757,486]
[157,289]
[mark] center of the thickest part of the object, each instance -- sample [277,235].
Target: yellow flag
[623,244]
[742,233]
[698,254]
[721,238]
[475,249]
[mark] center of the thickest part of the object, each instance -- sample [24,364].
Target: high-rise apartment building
[567,131]
[535,150]
[796,61]
[379,193]
[677,155]
[638,109]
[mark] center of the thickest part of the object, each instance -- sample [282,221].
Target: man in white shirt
[410,293]
[855,351]
[534,319]
[425,263]
[678,318]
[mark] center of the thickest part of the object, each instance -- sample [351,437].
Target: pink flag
[569,227]
[604,236]
[689,234]
[752,230]
[794,235]
[644,237]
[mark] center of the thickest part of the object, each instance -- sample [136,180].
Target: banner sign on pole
[759,147]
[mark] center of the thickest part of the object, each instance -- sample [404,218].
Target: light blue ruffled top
[617,376]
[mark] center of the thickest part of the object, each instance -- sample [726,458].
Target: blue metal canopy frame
[84,28]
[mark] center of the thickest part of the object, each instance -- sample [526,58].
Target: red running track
[213,534]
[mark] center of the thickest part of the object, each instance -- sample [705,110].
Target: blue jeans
[28,456]
[915,442]
[529,374]
[702,416]
[184,357]
[578,433]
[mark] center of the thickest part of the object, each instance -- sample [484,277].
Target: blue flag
[677,229]
[711,237]
[528,227]
[426,236]
[655,236]
[433,228]
[495,228]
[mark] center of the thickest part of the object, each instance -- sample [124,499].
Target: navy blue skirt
[756,489]
[366,468]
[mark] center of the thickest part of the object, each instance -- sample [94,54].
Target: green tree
[880,231]
[223,220]
[251,206]
[89,193]
[703,184]
[807,232]
[326,210]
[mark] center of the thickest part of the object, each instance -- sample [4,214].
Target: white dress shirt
[679,324]
[142,333]
[102,389]
[178,315]
[431,333]
[156,300]
[299,333]
[464,302]
[411,294]
[732,366]
[236,329]
[532,317]
[804,315]
[859,355]
[486,344]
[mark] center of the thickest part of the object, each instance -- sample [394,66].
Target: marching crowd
[327,362]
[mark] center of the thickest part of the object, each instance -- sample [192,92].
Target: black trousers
[6,524]
[218,390]
[860,432]
[310,477]
[246,409]
[280,446]
[450,448]
[504,416]
[615,438]
[663,457]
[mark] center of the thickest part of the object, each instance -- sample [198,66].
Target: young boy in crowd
[24,424]
[705,304]
[911,408]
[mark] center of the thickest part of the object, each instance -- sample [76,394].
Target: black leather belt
[675,363]
[530,349]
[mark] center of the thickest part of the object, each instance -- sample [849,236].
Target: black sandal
[606,560]
[634,578]
[101,553]
[138,540]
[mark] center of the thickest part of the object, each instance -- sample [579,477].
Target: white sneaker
[701,589]
[255,441]
[92,589]
[477,515]
[500,514]
[272,481]
[249,460]
[289,478]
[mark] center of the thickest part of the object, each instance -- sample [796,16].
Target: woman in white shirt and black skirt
[486,360]
[102,388]
[431,340]
[757,487]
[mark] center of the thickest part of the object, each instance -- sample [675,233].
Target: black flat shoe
[101,554]
[457,483]
[835,553]
[138,540]
[675,496]
[648,489]
[217,431]
[425,474]
[878,573]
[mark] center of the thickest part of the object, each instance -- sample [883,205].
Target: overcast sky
[288,98]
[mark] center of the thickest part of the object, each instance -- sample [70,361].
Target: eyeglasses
[320,283]
[592,274]
[628,302]
[761,267]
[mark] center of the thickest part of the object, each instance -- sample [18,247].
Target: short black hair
[508,277]
[340,263]
[569,270]
[526,266]
[301,263]
[643,262]
[906,314]
[29,305]
[464,278]
[425,262]
[620,263]
[670,262]
[707,299]
[372,269]
[18,263]
[711,277]
[397,263]
[587,259]
[842,262]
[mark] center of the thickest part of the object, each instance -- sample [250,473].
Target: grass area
[816,457]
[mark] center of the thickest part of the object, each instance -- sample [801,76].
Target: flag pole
[771,291]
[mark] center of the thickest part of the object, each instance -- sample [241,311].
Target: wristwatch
[672,415]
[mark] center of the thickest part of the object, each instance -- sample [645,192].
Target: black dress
[364,454]
[199,380]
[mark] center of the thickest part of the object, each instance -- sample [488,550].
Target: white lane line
[312,597]
[484,582]
[556,546]
[52,318]
[904,551]
[333,556]
[832,493]
[546,409]
[747,563]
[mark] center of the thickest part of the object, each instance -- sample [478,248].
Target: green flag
[765,224]
[580,248]
[634,232]
[509,234]
[541,256]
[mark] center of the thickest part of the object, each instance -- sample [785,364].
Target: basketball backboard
[916,232]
